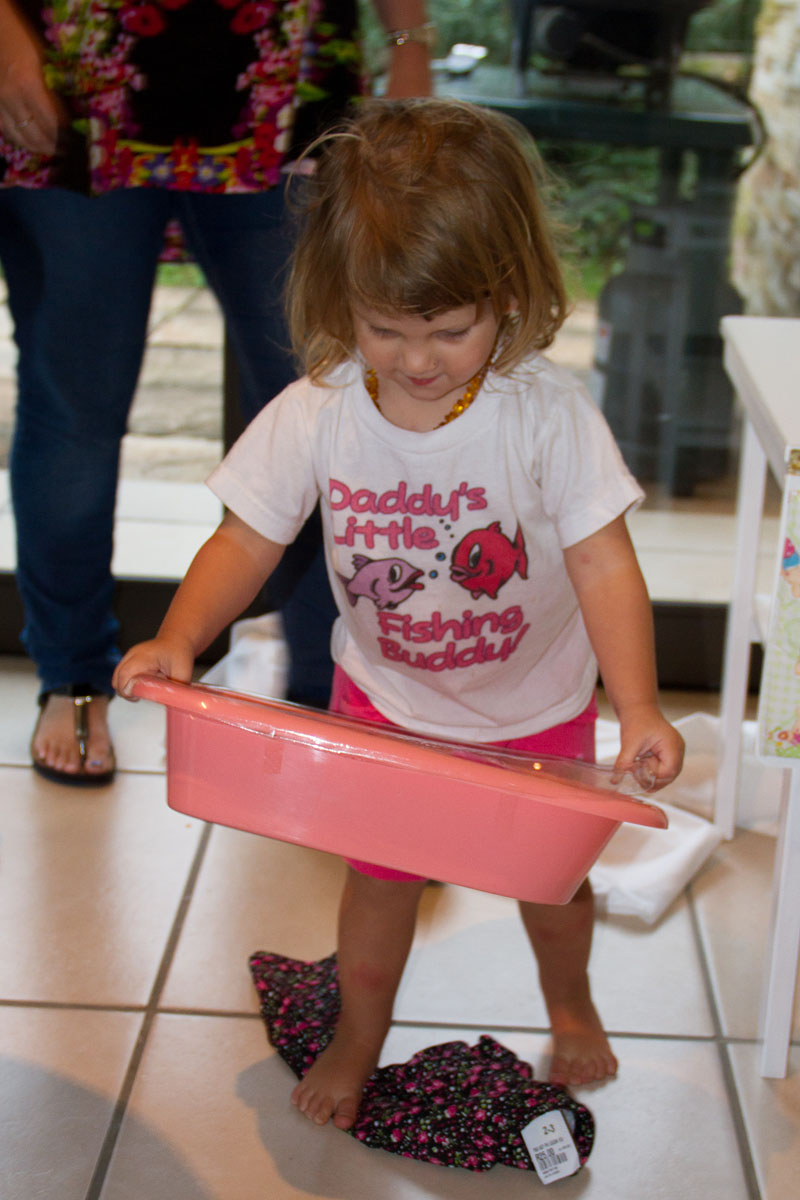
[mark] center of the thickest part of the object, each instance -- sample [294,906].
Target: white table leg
[750,504]
[784,939]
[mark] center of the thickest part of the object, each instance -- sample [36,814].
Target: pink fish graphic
[385,581]
[485,559]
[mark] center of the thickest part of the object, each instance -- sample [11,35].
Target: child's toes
[345,1114]
[320,1111]
[559,1072]
[316,1107]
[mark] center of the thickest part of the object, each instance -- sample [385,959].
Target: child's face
[423,365]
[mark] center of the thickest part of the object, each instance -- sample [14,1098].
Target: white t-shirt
[444,549]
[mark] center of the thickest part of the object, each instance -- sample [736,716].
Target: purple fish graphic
[385,581]
[485,559]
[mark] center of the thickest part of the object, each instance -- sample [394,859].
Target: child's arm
[226,574]
[618,617]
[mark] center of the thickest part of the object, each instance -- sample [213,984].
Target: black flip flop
[82,698]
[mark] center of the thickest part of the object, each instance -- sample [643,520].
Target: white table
[762,358]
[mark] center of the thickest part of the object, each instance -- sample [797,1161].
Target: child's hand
[651,749]
[172,657]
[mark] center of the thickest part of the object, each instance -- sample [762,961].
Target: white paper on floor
[642,870]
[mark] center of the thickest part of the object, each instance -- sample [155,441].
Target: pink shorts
[573,739]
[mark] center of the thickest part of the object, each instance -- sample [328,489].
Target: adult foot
[581,1051]
[55,746]
[332,1088]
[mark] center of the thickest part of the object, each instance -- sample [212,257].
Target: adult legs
[80,274]
[376,927]
[243,243]
[561,937]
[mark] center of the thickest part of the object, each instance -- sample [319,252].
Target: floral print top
[195,95]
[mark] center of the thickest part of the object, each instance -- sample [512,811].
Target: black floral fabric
[452,1104]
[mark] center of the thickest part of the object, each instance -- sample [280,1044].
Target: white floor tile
[138,729]
[771,1110]
[89,888]
[8,360]
[213,1091]
[662,1128]
[210,1119]
[149,550]
[167,503]
[252,894]
[60,1074]
[733,900]
[18,692]
[471,963]
[8,546]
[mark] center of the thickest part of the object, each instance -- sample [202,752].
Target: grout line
[734,1104]
[400,1023]
[73,1006]
[544,1030]
[466,1026]
[108,1147]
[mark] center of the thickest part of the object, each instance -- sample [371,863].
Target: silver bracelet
[424,34]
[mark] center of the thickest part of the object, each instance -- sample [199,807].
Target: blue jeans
[80,275]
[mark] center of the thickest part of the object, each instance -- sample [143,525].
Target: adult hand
[30,113]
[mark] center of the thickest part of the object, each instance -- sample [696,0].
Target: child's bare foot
[333,1087]
[581,1051]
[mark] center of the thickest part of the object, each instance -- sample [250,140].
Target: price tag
[550,1145]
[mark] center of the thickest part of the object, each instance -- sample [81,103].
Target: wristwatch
[424,34]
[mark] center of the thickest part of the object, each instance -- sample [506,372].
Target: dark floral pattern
[114,64]
[453,1104]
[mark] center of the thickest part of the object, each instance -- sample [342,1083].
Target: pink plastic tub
[489,819]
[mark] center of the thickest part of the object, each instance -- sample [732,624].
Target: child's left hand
[651,749]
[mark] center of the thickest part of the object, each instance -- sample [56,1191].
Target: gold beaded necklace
[461,405]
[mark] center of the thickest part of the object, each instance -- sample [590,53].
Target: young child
[473,504]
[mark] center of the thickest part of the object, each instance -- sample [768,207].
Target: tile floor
[136,1066]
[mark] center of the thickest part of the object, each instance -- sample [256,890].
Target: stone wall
[766,249]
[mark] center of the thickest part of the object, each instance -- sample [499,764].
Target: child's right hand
[172,657]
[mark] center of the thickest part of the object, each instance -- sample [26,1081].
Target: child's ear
[512,307]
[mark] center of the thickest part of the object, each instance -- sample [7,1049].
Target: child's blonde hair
[419,207]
